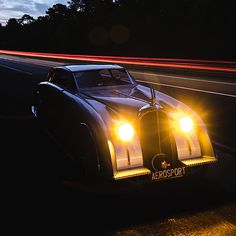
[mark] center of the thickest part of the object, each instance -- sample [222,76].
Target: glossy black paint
[79,119]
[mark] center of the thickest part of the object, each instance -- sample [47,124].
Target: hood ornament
[153,96]
[153,105]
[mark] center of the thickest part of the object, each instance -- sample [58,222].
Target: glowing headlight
[186,124]
[125,132]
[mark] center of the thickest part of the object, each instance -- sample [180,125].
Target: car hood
[125,101]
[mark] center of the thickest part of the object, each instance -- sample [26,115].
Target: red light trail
[140,61]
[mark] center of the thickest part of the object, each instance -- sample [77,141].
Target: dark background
[203,29]
[32,195]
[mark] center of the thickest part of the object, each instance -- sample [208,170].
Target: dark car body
[84,106]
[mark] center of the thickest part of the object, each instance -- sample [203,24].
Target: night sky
[17,8]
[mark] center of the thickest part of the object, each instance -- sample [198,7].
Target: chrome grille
[155,137]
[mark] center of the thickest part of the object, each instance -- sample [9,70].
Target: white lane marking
[44,63]
[15,69]
[184,78]
[192,89]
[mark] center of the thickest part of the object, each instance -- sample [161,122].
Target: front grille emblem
[164,165]
[157,161]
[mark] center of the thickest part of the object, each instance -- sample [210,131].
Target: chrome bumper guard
[123,174]
[199,161]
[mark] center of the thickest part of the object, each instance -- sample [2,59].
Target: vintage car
[114,129]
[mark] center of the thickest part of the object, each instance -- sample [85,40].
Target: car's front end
[133,132]
[152,140]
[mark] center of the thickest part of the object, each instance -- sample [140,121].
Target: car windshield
[104,77]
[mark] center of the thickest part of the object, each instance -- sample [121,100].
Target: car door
[62,89]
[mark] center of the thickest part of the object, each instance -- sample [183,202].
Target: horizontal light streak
[151,62]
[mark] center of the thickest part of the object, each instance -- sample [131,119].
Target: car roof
[77,68]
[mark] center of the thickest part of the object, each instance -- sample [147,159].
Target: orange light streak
[140,61]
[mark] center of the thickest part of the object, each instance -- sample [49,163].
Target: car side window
[63,79]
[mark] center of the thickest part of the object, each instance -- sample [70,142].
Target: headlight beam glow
[186,124]
[125,132]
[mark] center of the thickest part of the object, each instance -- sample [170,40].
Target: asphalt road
[32,201]
[212,97]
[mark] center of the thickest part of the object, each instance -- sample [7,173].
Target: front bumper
[166,171]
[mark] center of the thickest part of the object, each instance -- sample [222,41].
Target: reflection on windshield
[98,78]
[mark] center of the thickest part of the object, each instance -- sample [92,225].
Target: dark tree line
[151,28]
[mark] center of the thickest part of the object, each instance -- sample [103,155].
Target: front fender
[96,126]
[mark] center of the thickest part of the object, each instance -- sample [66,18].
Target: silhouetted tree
[58,12]
[162,28]
[2,36]
[26,20]
[12,23]
[77,5]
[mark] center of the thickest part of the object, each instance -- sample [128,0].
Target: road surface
[32,200]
